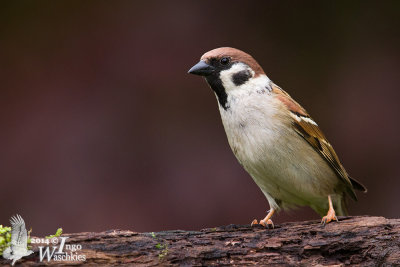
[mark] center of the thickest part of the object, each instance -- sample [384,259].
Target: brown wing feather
[303,125]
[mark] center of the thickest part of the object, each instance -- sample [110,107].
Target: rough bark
[359,241]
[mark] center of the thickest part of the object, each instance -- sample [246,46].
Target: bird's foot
[331,213]
[331,216]
[266,223]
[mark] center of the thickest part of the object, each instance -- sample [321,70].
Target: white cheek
[226,75]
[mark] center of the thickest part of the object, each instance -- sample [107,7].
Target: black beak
[202,69]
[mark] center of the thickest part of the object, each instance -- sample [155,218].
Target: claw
[254,222]
[269,224]
[328,219]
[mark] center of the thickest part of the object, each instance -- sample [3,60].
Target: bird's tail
[357,185]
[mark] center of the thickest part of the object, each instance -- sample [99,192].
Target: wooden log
[357,241]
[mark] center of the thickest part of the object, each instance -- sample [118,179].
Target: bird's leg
[330,216]
[266,222]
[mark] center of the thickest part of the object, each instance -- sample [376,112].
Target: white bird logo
[19,240]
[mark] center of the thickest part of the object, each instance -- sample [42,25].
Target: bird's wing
[305,126]
[19,236]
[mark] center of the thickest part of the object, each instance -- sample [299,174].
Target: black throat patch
[216,84]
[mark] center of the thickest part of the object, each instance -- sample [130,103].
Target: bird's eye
[225,60]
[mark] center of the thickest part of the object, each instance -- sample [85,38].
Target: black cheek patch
[241,77]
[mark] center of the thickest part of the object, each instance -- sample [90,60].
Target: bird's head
[226,70]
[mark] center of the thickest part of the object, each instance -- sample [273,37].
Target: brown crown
[236,55]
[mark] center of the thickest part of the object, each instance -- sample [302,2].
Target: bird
[274,138]
[19,240]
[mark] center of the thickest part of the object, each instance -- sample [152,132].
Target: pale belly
[285,167]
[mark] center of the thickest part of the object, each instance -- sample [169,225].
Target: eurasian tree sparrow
[274,138]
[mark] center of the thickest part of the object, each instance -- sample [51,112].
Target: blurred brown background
[102,127]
